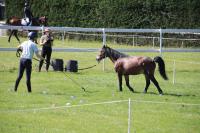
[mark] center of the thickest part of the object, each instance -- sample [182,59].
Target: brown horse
[16,21]
[134,65]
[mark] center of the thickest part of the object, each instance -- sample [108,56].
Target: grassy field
[19,114]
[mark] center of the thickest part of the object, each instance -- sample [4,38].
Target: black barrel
[57,64]
[72,66]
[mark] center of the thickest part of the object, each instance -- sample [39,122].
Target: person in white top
[28,49]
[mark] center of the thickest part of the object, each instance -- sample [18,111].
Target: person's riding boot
[47,66]
[40,66]
[16,84]
[39,70]
[28,86]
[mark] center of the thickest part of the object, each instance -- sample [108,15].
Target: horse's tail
[8,20]
[161,65]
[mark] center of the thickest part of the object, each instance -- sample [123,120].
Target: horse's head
[43,20]
[103,52]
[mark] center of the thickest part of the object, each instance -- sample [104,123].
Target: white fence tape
[100,103]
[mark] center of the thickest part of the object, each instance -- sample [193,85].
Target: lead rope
[18,53]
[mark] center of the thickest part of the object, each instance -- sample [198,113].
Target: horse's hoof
[161,94]
[144,91]
[120,90]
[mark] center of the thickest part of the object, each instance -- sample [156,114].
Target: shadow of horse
[168,94]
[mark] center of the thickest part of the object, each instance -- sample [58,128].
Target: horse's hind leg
[127,83]
[147,82]
[120,81]
[152,78]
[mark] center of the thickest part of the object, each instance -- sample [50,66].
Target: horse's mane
[116,54]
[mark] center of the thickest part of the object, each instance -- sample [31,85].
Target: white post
[63,37]
[153,42]
[42,29]
[160,42]
[174,72]
[104,44]
[129,115]
[182,44]
[133,40]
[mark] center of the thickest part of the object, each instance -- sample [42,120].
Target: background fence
[106,33]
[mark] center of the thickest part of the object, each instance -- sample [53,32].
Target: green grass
[53,89]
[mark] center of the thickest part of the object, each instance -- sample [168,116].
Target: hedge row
[113,13]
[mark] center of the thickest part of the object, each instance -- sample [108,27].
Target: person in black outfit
[27,13]
[46,41]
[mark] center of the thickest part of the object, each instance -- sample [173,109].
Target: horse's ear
[104,46]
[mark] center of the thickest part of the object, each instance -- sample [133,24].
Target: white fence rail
[115,30]
[121,50]
[109,30]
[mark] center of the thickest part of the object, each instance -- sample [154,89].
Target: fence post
[42,29]
[153,42]
[160,42]
[104,44]
[129,115]
[63,37]
[133,40]
[174,72]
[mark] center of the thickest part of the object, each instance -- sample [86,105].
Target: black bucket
[72,66]
[57,64]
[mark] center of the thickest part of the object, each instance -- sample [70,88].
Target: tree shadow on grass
[180,95]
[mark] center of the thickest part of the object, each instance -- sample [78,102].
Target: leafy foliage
[112,14]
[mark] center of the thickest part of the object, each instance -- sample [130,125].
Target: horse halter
[105,53]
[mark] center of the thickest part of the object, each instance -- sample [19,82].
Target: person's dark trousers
[30,21]
[46,52]
[24,64]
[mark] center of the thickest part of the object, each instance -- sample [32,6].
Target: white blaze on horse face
[101,55]
[98,59]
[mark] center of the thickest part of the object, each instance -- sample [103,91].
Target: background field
[53,89]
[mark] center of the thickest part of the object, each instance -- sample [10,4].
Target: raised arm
[42,41]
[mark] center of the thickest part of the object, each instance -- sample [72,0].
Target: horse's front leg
[120,81]
[147,82]
[127,83]
[15,33]
[11,33]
